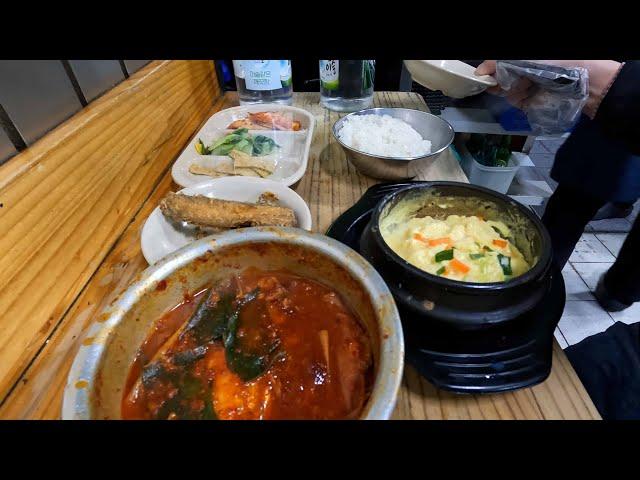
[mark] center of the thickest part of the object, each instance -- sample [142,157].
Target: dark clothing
[594,166]
[619,112]
[600,162]
[623,279]
[567,213]
[602,156]
[591,161]
[608,365]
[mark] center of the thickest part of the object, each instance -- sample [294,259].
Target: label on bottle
[264,74]
[238,68]
[329,74]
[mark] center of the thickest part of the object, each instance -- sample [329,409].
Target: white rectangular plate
[290,159]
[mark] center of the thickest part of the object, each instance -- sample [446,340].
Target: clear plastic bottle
[263,81]
[346,85]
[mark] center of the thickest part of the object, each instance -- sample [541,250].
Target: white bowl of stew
[257,323]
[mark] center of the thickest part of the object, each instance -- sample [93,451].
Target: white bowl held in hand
[454,78]
[160,236]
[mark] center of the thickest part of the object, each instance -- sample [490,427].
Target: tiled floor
[594,254]
[589,249]
[582,316]
[613,241]
[621,225]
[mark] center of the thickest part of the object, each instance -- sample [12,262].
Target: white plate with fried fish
[269,141]
[218,205]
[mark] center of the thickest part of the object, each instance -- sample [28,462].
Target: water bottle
[263,81]
[346,85]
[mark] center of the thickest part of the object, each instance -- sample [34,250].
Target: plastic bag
[559,93]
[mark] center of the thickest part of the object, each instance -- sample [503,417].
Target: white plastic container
[291,159]
[495,178]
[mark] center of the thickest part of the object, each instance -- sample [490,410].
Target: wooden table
[37,349]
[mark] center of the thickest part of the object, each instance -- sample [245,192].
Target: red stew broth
[317,357]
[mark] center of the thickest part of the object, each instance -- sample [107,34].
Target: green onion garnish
[505,263]
[444,255]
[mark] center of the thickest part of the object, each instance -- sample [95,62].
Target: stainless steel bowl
[95,383]
[433,128]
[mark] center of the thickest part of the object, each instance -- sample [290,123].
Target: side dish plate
[290,159]
[160,236]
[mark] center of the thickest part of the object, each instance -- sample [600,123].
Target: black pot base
[505,357]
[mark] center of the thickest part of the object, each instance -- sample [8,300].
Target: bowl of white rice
[392,143]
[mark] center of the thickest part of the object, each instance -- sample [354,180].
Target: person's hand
[517,96]
[601,75]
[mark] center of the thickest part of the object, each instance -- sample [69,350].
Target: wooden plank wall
[67,199]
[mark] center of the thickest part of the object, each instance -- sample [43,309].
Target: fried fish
[211,212]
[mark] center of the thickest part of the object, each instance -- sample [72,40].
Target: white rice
[383,135]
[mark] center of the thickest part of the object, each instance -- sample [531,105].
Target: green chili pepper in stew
[505,263]
[475,256]
[210,318]
[208,413]
[189,386]
[444,255]
[441,270]
[244,364]
[182,406]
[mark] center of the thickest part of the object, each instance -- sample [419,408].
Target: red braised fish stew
[261,345]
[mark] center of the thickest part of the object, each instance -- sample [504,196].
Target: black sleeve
[619,112]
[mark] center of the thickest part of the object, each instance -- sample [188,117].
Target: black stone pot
[455,303]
